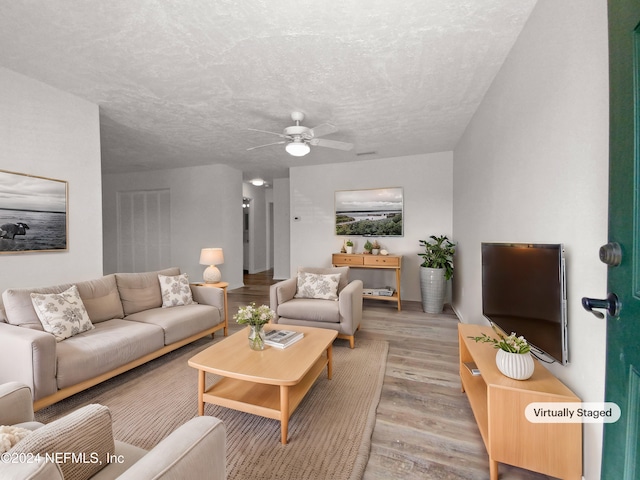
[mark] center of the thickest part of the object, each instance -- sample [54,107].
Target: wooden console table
[365,260]
[499,403]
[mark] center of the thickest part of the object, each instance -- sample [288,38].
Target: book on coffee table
[282,338]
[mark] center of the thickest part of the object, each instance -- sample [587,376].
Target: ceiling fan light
[297,149]
[258,182]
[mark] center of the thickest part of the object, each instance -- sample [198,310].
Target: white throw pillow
[62,314]
[315,285]
[10,435]
[175,290]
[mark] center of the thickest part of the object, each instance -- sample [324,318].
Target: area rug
[329,433]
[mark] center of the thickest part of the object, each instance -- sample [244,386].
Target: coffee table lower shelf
[271,401]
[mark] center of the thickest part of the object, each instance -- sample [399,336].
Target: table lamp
[211,257]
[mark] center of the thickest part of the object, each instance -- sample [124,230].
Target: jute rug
[329,433]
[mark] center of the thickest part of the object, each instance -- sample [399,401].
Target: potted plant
[513,358]
[368,246]
[435,269]
[375,248]
[349,246]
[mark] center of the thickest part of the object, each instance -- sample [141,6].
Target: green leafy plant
[438,253]
[349,243]
[511,343]
[368,246]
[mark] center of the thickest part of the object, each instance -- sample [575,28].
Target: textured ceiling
[179,82]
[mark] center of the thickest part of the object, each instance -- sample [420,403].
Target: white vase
[518,366]
[349,249]
[433,286]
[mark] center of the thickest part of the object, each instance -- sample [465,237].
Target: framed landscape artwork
[33,213]
[375,212]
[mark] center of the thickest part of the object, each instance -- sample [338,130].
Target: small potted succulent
[375,247]
[349,246]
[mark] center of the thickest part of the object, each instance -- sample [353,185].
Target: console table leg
[493,469]
[329,362]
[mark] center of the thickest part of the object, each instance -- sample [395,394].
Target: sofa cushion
[86,433]
[101,298]
[62,314]
[180,322]
[315,285]
[175,290]
[19,308]
[343,271]
[111,344]
[310,309]
[141,291]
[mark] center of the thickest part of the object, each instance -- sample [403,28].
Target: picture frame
[374,212]
[33,213]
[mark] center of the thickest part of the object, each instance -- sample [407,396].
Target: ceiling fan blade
[270,133]
[323,129]
[267,145]
[320,142]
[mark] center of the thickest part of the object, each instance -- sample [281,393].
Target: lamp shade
[211,256]
[297,149]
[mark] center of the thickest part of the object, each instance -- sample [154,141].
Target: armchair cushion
[310,309]
[315,285]
[85,433]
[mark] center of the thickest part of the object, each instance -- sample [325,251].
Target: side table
[223,286]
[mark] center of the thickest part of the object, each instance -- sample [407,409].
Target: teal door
[621,449]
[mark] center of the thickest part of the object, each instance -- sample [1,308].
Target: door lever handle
[611,304]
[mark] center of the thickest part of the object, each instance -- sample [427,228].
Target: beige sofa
[130,328]
[196,449]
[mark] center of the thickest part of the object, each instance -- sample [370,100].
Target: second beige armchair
[322,298]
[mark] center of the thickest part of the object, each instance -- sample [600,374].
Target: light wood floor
[424,425]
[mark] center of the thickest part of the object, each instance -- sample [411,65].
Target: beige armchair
[196,449]
[296,304]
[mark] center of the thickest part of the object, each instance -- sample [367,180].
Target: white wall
[427,182]
[532,166]
[50,133]
[206,211]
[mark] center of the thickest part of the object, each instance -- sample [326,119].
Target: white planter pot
[518,366]
[349,249]
[433,287]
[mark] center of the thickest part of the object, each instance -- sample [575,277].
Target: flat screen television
[524,291]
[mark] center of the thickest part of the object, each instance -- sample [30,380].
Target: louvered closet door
[144,230]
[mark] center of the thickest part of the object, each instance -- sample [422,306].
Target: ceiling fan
[299,138]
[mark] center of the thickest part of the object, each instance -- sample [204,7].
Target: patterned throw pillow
[314,285]
[175,290]
[62,314]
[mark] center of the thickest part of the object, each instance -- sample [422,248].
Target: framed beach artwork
[33,213]
[375,212]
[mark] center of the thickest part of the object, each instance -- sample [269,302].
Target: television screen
[523,291]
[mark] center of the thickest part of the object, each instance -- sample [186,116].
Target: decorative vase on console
[518,366]
[255,317]
[513,357]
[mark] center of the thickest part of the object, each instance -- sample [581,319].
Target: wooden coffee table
[270,383]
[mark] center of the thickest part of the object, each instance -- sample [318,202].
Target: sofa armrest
[16,404]
[280,293]
[213,296]
[38,469]
[350,306]
[196,449]
[29,357]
